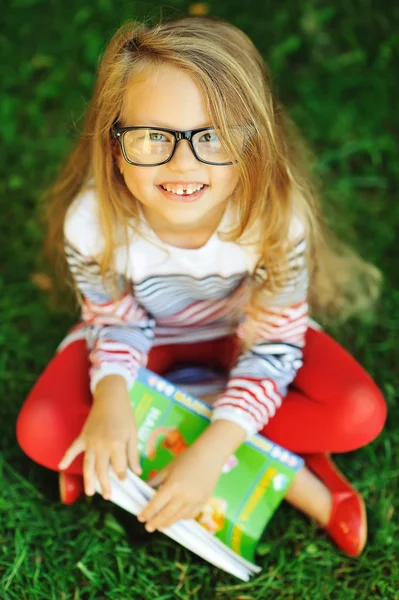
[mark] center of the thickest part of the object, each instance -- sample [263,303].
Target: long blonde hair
[274,170]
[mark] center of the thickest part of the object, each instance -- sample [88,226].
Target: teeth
[181,190]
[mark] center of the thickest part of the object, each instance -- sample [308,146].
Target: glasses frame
[118,133]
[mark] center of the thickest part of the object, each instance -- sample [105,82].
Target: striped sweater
[171,295]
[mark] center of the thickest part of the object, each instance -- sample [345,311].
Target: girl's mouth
[182,193]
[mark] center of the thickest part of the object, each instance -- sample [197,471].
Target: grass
[333,64]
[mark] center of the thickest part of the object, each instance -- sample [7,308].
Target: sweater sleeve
[119,331]
[260,378]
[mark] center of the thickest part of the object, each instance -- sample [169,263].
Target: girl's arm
[119,335]
[119,331]
[260,378]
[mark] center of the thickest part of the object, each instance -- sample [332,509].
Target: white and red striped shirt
[171,295]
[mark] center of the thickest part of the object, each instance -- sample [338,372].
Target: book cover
[253,482]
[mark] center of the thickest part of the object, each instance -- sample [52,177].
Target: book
[252,484]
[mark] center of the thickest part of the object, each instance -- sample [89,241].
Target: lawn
[334,66]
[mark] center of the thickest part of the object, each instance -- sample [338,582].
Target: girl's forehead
[164,97]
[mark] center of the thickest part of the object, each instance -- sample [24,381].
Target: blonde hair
[275,179]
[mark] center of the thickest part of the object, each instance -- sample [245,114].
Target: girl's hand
[185,485]
[108,435]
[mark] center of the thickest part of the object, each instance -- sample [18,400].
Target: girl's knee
[39,431]
[30,429]
[365,412]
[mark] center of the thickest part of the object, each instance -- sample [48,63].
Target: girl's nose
[184,158]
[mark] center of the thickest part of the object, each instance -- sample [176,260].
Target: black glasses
[151,147]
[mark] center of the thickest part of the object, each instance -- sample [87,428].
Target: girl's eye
[209,136]
[157,137]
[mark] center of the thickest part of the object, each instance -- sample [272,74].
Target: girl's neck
[186,237]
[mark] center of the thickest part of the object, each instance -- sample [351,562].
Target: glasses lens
[148,146]
[212,145]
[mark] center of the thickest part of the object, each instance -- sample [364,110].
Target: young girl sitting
[189,223]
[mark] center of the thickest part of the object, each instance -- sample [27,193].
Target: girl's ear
[120,161]
[117,154]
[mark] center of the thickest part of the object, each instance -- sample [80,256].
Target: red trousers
[332,406]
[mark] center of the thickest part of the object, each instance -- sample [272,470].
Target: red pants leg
[333,404]
[56,408]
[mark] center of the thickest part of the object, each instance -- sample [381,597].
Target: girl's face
[169,98]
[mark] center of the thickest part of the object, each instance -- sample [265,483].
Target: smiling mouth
[183,190]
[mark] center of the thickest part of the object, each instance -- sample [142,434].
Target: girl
[190,227]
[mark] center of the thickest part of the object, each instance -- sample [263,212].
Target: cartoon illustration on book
[173,441]
[230,463]
[213,515]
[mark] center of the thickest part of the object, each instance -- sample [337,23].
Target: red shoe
[71,487]
[348,521]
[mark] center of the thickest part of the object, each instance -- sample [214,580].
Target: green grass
[334,65]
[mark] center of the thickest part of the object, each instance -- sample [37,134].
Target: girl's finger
[133,456]
[73,451]
[119,462]
[158,478]
[102,467]
[155,505]
[192,512]
[89,462]
[166,517]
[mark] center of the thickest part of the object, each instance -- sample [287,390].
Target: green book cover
[253,482]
